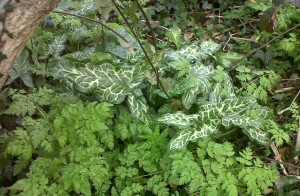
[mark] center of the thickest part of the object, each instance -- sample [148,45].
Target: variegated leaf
[214,96]
[203,131]
[241,121]
[111,85]
[181,86]
[81,55]
[192,134]
[209,48]
[263,112]
[181,140]
[194,51]
[230,88]
[78,33]
[86,8]
[138,105]
[256,134]
[178,119]
[55,47]
[189,97]
[208,112]
[203,75]
[21,70]
[235,106]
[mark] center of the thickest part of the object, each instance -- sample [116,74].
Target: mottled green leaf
[257,134]
[203,75]
[225,59]
[178,119]
[81,55]
[194,51]
[192,134]
[241,121]
[56,47]
[214,96]
[189,97]
[20,70]
[138,105]
[234,106]
[180,86]
[174,34]
[109,84]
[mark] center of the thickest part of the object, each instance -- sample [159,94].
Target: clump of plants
[106,113]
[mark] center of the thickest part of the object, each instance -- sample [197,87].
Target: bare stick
[284,90]
[288,108]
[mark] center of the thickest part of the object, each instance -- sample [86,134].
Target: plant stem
[159,83]
[147,23]
[92,20]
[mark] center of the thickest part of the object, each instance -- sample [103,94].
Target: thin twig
[243,39]
[147,23]
[288,108]
[159,83]
[277,154]
[282,90]
[92,20]
[281,162]
[235,64]
[146,175]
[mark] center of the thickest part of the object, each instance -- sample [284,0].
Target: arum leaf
[189,97]
[81,55]
[203,75]
[100,56]
[214,96]
[20,70]
[204,131]
[174,34]
[55,47]
[241,121]
[234,106]
[225,59]
[257,134]
[109,84]
[178,119]
[138,105]
[192,134]
[182,85]
[209,47]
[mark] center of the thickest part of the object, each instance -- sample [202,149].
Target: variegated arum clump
[191,74]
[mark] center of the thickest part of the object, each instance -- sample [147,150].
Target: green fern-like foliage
[77,148]
[70,149]
[209,173]
[30,104]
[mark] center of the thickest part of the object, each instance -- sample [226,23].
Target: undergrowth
[94,117]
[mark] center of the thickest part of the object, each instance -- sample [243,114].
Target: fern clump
[216,170]
[70,148]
